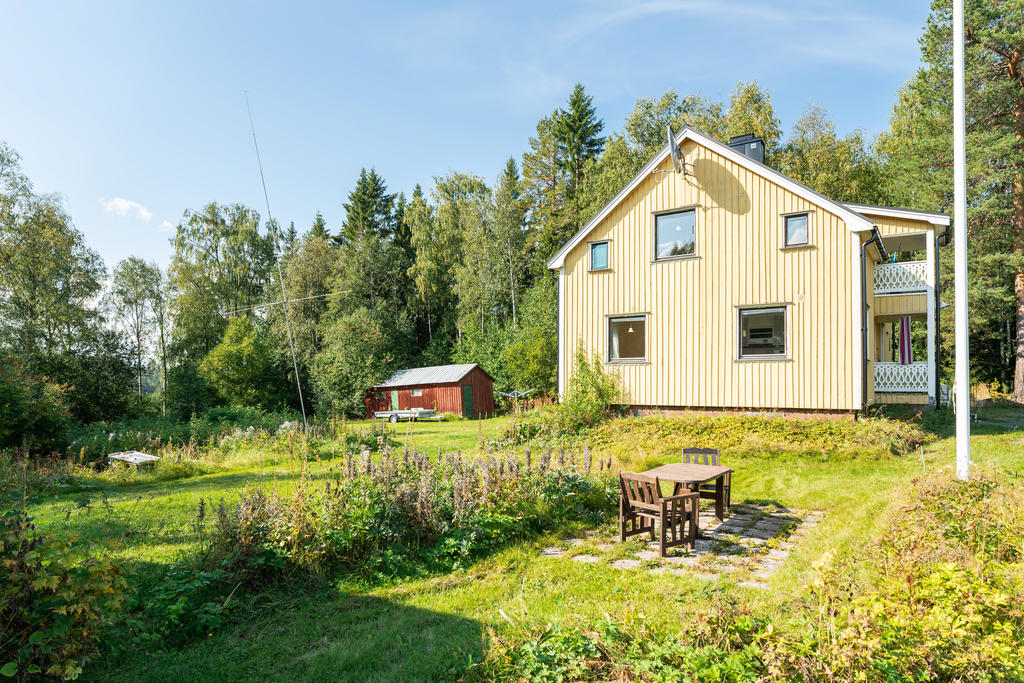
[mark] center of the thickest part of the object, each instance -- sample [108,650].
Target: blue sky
[134,111]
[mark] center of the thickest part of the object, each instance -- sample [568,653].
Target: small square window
[796,230]
[673,234]
[627,339]
[417,392]
[599,256]
[763,333]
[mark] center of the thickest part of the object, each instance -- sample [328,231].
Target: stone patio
[750,545]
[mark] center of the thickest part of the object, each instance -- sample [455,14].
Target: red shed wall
[445,398]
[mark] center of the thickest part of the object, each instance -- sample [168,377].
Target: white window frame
[625,317]
[654,234]
[416,392]
[785,229]
[590,255]
[763,308]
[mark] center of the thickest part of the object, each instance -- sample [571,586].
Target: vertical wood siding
[444,398]
[691,305]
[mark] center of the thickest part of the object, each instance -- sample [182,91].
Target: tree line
[455,272]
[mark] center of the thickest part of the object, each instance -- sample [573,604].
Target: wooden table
[692,476]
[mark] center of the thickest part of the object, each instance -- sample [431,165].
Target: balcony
[901,378]
[900,278]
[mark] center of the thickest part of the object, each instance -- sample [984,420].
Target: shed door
[394,399]
[467,400]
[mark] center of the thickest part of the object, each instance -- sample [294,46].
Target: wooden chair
[708,456]
[641,505]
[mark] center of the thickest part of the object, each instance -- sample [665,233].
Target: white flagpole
[962,380]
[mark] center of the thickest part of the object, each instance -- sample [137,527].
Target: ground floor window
[627,339]
[763,332]
[417,392]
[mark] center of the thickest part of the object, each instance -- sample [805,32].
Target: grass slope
[431,629]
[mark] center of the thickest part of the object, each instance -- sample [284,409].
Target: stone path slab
[754,541]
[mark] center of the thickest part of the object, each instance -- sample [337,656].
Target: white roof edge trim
[892,212]
[854,221]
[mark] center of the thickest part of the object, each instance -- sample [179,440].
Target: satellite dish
[677,159]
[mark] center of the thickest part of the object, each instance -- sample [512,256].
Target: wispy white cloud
[825,30]
[165,226]
[126,207]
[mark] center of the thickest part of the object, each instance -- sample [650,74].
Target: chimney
[750,145]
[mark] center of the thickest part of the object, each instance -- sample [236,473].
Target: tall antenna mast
[280,273]
[962,378]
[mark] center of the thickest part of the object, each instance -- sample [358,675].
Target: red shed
[460,389]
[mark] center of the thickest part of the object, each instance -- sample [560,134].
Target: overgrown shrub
[150,434]
[589,396]
[378,516]
[51,609]
[33,411]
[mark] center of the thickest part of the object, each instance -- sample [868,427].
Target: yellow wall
[692,327]
[901,304]
[899,226]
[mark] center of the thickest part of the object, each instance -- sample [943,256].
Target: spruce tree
[319,228]
[578,133]
[369,209]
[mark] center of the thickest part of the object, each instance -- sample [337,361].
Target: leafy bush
[588,396]
[151,434]
[51,609]
[358,355]
[588,399]
[380,516]
[243,368]
[33,412]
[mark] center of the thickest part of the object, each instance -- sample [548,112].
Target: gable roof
[437,374]
[854,220]
[933,217]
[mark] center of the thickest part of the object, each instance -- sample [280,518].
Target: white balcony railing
[902,378]
[894,278]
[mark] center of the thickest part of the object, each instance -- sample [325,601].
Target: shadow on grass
[341,637]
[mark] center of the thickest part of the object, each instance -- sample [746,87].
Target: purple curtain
[906,355]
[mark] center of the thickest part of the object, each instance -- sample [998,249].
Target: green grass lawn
[429,629]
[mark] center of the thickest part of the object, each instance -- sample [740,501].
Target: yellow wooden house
[729,286]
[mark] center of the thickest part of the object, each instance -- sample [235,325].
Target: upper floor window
[674,234]
[599,255]
[763,333]
[796,230]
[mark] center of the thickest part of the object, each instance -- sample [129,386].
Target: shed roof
[437,374]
